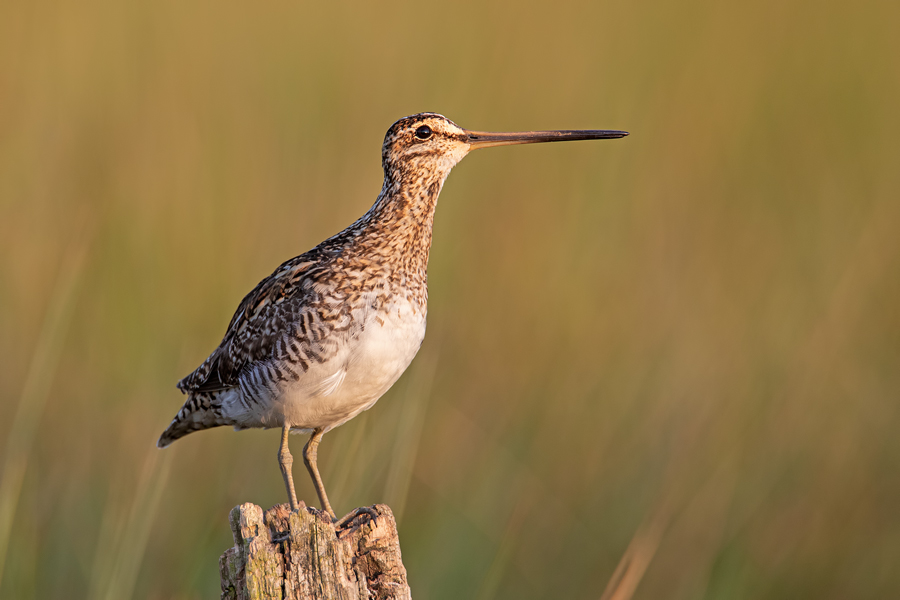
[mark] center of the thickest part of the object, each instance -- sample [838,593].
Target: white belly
[367,365]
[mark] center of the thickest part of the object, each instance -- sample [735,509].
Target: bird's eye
[423,132]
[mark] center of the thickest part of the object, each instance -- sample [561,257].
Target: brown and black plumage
[325,335]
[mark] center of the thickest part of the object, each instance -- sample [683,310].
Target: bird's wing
[266,317]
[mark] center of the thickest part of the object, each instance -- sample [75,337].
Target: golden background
[685,342]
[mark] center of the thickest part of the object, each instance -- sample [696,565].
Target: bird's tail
[200,411]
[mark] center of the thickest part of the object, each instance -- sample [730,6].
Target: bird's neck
[398,226]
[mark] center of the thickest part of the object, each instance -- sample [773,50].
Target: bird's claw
[281,537]
[346,520]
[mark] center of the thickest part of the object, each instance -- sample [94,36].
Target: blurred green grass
[703,316]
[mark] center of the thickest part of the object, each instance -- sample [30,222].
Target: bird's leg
[310,452]
[286,461]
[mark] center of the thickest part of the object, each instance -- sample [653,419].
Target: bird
[325,335]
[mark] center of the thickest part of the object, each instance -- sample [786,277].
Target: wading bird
[323,337]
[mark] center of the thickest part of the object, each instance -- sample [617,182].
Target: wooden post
[300,555]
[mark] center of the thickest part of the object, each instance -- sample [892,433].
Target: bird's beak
[483,139]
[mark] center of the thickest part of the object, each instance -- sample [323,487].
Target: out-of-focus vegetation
[694,331]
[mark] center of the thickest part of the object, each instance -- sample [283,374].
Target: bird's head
[426,142]
[429,143]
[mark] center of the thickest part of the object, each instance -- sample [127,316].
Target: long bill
[484,139]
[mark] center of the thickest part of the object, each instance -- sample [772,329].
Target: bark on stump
[299,555]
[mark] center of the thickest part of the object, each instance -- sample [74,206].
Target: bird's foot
[281,536]
[348,519]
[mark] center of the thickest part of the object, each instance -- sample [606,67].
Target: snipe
[324,336]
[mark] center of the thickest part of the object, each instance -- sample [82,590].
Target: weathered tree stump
[300,555]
